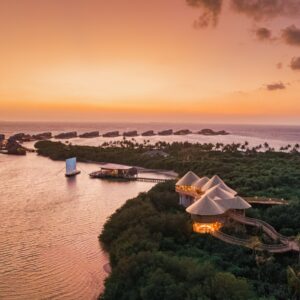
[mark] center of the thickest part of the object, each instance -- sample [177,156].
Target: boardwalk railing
[267,228]
[145,179]
[280,248]
[286,243]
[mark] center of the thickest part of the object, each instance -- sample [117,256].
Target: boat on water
[71,169]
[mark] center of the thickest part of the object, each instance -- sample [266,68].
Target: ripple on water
[49,229]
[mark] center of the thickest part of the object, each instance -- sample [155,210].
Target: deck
[100,175]
[265,201]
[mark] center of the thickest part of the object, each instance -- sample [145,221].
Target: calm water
[49,228]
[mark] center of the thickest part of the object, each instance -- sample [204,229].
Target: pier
[121,172]
[100,175]
[157,180]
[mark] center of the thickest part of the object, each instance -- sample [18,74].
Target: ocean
[275,135]
[50,224]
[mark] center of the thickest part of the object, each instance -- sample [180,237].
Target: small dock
[157,180]
[100,175]
[121,172]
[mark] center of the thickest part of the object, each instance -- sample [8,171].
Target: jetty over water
[115,171]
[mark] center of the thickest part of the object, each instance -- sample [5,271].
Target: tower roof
[205,206]
[188,179]
[200,182]
[234,203]
[216,180]
[217,192]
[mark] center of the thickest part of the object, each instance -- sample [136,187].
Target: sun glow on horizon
[140,61]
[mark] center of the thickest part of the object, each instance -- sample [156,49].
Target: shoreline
[253,141]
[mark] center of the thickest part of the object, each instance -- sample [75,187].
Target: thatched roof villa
[209,201]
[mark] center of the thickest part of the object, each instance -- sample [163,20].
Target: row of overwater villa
[210,202]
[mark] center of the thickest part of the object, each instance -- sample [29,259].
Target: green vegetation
[153,252]
[155,255]
[251,173]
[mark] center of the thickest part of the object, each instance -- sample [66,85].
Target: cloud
[295,63]
[266,9]
[275,86]
[211,11]
[263,34]
[203,21]
[279,65]
[291,35]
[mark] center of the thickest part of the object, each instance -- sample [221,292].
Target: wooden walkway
[157,180]
[248,243]
[98,175]
[286,244]
[265,201]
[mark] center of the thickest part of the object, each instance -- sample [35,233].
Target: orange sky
[142,60]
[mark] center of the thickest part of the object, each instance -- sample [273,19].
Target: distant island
[183,132]
[148,133]
[66,135]
[212,132]
[132,133]
[91,134]
[112,134]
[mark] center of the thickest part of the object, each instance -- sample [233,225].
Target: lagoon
[50,225]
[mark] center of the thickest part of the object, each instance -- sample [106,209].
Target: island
[166,132]
[212,132]
[66,135]
[91,134]
[12,147]
[21,137]
[111,134]
[132,133]
[183,132]
[148,133]
[42,136]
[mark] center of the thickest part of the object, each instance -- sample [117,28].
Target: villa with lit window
[212,205]
[210,202]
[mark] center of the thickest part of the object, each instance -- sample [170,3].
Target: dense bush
[153,252]
[155,255]
[271,174]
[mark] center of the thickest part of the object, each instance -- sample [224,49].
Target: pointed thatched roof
[216,180]
[234,203]
[217,192]
[200,182]
[205,206]
[188,179]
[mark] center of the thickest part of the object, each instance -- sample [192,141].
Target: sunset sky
[174,60]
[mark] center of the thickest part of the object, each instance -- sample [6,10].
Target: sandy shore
[191,138]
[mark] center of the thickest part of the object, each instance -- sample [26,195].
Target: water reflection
[71,181]
[49,228]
